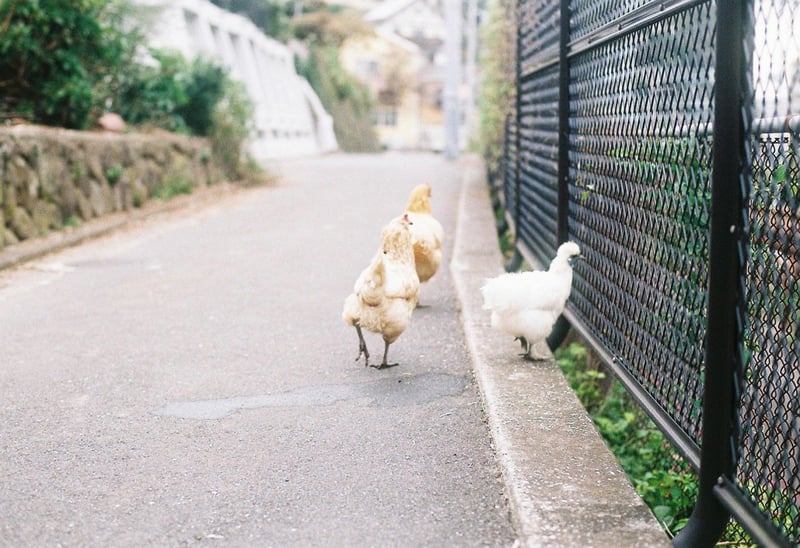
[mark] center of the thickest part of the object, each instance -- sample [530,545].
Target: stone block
[84,206]
[9,237]
[10,201]
[123,194]
[102,201]
[95,166]
[46,216]
[22,224]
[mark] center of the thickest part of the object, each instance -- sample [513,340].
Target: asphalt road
[189,381]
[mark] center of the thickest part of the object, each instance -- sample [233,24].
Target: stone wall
[52,177]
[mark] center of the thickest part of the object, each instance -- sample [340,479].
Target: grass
[173,186]
[660,475]
[666,483]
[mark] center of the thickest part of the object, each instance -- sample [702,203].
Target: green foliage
[348,101]
[497,90]
[230,128]
[172,186]
[153,93]
[56,56]
[660,475]
[197,98]
[63,60]
[271,17]
[114,173]
[72,221]
[138,199]
[204,89]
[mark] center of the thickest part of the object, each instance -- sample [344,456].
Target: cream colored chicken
[386,292]
[427,233]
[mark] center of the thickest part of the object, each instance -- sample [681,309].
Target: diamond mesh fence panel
[538,126]
[511,160]
[538,190]
[589,16]
[640,153]
[769,445]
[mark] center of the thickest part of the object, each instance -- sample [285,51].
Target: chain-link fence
[663,138]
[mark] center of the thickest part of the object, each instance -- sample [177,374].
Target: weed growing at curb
[661,477]
[173,186]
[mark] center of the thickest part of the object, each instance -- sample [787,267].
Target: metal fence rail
[663,138]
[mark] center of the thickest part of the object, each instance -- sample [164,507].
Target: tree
[271,17]
[497,92]
[55,56]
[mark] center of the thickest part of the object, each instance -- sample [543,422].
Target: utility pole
[469,67]
[452,112]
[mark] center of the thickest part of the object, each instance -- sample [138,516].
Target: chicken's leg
[534,355]
[526,348]
[362,347]
[384,363]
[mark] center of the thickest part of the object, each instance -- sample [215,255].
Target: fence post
[727,252]
[561,328]
[563,125]
[515,262]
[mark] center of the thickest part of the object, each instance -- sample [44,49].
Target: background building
[404,64]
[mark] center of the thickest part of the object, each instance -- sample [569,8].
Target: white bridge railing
[289,118]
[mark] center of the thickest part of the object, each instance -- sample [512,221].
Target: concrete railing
[289,119]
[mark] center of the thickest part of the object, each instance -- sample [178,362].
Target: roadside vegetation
[64,63]
[660,475]
[497,91]
[317,30]
[664,480]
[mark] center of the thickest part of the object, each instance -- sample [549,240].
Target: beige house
[402,63]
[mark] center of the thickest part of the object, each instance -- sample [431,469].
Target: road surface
[189,380]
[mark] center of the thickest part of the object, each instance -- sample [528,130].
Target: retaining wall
[50,178]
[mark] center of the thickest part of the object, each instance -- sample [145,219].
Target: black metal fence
[663,138]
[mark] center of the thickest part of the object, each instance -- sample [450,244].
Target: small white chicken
[386,292]
[527,304]
[427,233]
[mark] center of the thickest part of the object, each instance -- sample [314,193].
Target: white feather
[527,304]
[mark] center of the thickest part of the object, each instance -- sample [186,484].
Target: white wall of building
[289,118]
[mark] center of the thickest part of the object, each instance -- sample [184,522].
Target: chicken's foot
[362,347]
[532,356]
[526,348]
[384,364]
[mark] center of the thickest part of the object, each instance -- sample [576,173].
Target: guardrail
[663,138]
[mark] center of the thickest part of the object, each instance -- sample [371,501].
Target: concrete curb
[35,248]
[564,486]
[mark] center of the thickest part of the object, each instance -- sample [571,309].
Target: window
[384,116]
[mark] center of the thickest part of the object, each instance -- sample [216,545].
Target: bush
[230,127]
[348,101]
[666,483]
[152,93]
[497,91]
[55,56]
[204,89]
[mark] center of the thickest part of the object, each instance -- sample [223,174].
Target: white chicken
[527,304]
[427,233]
[386,292]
